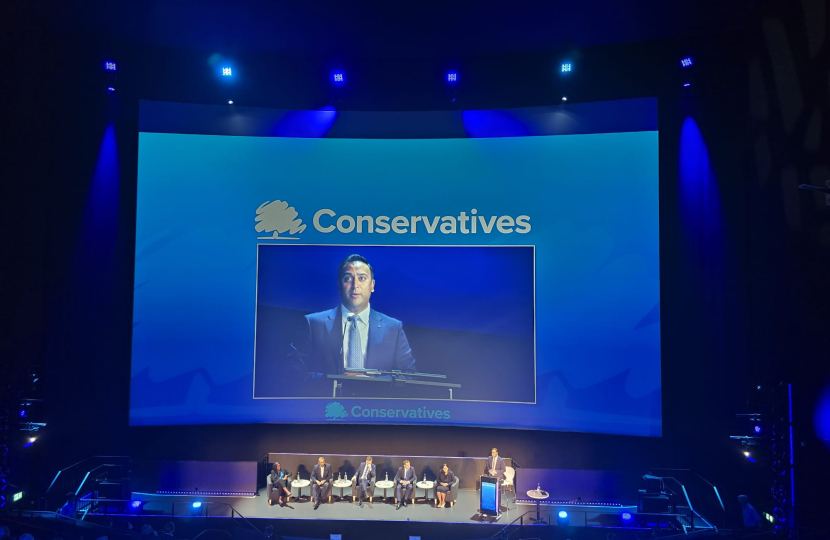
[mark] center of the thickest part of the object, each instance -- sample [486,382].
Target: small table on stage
[426,485]
[539,495]
[300,484]
[384,485]
[343,483]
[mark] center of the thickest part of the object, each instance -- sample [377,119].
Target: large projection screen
[311,266]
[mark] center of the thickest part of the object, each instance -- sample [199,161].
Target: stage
[292,517]
[464,510]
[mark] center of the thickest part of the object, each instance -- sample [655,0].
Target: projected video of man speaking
[403,322]
[501,269]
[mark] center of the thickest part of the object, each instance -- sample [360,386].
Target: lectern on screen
[490,502]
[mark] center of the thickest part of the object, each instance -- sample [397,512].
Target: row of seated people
[363,482]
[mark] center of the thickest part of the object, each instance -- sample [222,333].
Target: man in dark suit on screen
[321,478]
[363,479]
[352,336]
[404,481]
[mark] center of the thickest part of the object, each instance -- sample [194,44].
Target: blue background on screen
[445,288]
[488,497]
[593,206]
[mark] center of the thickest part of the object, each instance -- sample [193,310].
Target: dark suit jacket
[448,479]
[408,476]
[499,466]
[371,474]
[282,475]
[325,474]
[318,347]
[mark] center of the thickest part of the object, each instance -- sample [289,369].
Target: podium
[490,499]
[391,384]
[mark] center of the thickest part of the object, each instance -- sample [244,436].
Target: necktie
[365,470]
[355,357]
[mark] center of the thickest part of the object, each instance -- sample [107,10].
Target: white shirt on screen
[362,327]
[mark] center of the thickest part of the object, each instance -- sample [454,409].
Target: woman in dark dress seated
[279,479]
[442,485]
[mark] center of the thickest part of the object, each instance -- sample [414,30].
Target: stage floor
[465,509]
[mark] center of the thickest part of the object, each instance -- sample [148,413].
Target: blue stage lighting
[686,62]
[562,514]
[135,505]
[196,504]
[227,72]
[452,77]
[22,413]
[339,77]
[626,516]
[230,102]
[566,67]
[687,84]
[564,98]
[757,429]
[109,66]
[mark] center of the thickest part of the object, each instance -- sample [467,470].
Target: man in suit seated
[404,480]
[495,465]
[350,337]
[321,478]
[363,478]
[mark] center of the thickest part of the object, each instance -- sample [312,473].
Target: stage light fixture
[452,77]
[687,62]
[110,66]
[626,516]
[687,84]
[230,102]
[562,514]
[564,98]
[338,77]
[32,439]
[196,505]
[110,89]
[757,429]
[566,67]
[23,413]
[562,518]
[135,505]
[227,72]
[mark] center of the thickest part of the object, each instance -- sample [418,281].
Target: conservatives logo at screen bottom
[336,411]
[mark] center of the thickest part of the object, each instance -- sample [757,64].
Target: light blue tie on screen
[355,358]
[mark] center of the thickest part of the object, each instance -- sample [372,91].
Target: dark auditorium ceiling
[394,28]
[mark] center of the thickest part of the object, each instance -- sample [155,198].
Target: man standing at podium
[321,478]
[495,465]
[352,336]
[363,478]
[404,480]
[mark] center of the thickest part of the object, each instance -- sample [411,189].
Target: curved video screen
[477,268]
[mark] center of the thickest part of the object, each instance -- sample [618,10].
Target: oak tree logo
[335,411]
[278,218]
